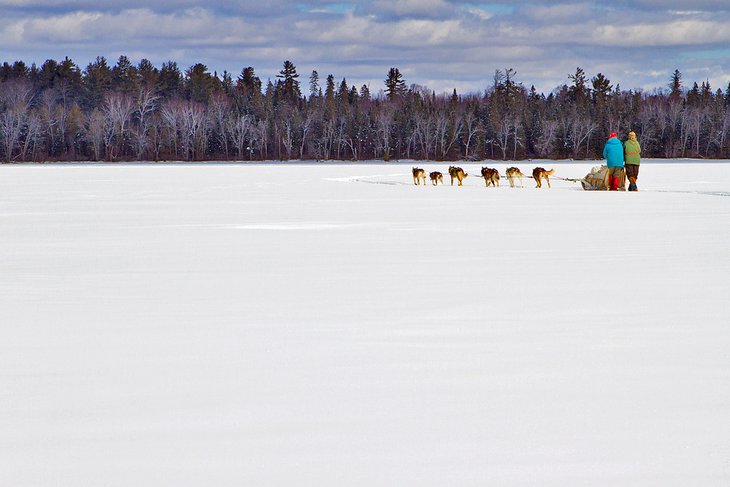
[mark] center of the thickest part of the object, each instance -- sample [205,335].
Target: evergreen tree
[48,74]
[314,84]
[693,95]
[365,92]
[198,83]
[329,97]
[248,83]
[353,95]
[124,76]
[169,82]
[579,92]
[395,85]
[329,91]
[601,86]
[343,93]
[97,81]
[675,86]
[147,73]
[289,82]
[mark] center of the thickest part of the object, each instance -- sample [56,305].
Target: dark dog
[436,177]
[491,176]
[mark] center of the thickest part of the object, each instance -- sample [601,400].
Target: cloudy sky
[443,44]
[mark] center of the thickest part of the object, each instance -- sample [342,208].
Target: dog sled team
[491,176]
[622,162]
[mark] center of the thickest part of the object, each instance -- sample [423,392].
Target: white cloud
[677,33]
[544,41]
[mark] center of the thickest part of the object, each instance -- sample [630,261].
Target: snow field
[311,325]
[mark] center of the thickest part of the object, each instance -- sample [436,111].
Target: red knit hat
[613,134]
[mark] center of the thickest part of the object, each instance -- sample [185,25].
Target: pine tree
[353,95]
[97,81]
[124,76]
[329,97]
[248,83]
[601,86]
[169,82]
[365,92]
[579,92]
[395,85]
[675,86]
[289,82]
[314,84]
[342,93]
[147,73]
[198,83]
[693,95]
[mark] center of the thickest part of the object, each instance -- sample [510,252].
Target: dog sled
[599,179]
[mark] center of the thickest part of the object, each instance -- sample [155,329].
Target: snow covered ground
[334,325]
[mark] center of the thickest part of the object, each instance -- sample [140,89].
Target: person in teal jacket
[613,151]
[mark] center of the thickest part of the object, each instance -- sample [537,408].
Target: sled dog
[540,173]
[418,176]
[436,178]
[458,174]
[491,176]
[514,173]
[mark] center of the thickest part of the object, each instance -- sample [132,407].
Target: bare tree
[220,106]
[143,109]
[171,113]
[503,132]
[384,124]
[516,139]
[32,134]
[15,99]
[240,129]
[579,128]
[448,130]
[95,130]
[546,139]
[473,127]
[118,109]
[306,125]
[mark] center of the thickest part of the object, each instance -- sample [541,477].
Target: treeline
[141,112]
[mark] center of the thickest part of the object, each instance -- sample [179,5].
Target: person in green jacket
[632,156]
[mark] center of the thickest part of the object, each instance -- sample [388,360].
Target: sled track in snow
[705,193]
[372,180]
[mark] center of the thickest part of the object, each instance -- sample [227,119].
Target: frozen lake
[334,325]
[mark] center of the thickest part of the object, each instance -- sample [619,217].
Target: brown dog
[540,173]
[491,176]
[512,174]
[418,176]
[436,177]
[458,174]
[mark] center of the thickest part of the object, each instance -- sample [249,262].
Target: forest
[128,112]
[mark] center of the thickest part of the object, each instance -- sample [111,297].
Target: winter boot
[615,183]
[632,184]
